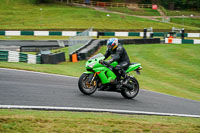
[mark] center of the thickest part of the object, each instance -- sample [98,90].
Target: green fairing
[88,72]
[104,73]
[133,67]
[114,64]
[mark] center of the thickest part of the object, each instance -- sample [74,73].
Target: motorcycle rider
[119,54]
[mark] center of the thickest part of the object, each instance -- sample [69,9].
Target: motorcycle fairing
[133,67]
[105,74]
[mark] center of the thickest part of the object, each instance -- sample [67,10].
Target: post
[182,33]
[40,17]
[151,35]
[145,33]
[97,34]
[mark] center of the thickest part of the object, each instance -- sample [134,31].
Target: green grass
[183,12]
[180,12]
[21,121]
[187,21]
[171,69]
[139,11]
[65,50]
[26,16]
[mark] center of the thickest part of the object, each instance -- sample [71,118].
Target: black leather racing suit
[120,55]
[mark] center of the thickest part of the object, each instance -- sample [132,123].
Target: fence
[80,40]
[106,4]
[95,33]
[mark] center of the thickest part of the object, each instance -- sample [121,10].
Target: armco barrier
[13,56]
[37,48]
[31,45]
[94,45]
[89,50]
[181,41]
[80,49]
[140,41]
[93,33]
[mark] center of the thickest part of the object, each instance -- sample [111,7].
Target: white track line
[93,110]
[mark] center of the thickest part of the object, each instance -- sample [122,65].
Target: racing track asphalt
[18,87]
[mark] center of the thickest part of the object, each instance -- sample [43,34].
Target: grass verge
[187,21]
[19,121]
[179,12]
[171,69]
[26,16]
[183,12]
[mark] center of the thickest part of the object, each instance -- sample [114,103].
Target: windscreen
[97,56]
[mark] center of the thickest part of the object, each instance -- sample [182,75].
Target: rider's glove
[110,61]
[106,62]
[101,61]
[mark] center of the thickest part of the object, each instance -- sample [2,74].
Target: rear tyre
[84,86]
[131,93]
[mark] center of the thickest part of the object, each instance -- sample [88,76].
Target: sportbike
[103,77]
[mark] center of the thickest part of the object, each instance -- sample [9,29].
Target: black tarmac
[39,89]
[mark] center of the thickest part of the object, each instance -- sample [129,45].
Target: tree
[180,4]
[44,1]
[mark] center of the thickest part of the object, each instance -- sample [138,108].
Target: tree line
[180,4]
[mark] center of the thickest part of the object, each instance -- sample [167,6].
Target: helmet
[112,43]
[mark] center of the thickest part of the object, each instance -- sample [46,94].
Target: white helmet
[112,43]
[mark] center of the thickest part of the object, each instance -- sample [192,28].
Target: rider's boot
[125,76]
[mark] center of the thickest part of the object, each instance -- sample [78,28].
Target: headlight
[92,64]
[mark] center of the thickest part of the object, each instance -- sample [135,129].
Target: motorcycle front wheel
[130,93]
[84,86]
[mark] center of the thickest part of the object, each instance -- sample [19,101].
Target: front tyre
[84,86]
[132,92]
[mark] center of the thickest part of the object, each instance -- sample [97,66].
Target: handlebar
[103,62]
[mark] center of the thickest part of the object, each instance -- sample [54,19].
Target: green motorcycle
[103,77]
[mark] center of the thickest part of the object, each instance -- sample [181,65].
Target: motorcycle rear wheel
[131,93]
[84,86]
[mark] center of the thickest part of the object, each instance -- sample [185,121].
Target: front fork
[91,78]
